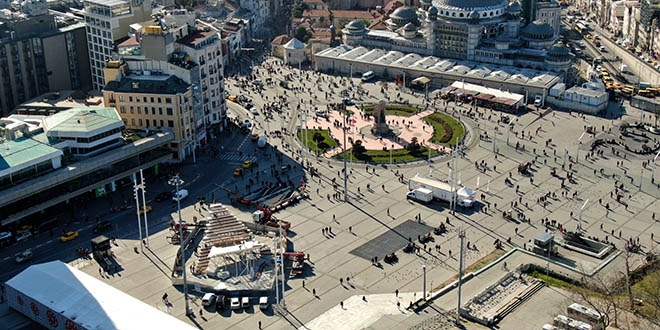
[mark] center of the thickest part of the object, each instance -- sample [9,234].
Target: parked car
[164,196]
[208,299]
[238,171]
[221,302]
[68,236]
[245,302]
[254,111]
[23,228]
[248,164]
[247,123]
[26,234]
[235,303]
[180,195]
[24,256]
[102,226]
[263,303]
[257,82]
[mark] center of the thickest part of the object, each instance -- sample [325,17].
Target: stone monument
[380,123]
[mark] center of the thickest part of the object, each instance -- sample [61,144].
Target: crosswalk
[235,156]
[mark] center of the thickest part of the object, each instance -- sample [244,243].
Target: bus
[585,314]
[581,28]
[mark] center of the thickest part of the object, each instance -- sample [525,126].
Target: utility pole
[424,290]
[461,235]
[143,187]
[345,145]
[176,182]
[137,209]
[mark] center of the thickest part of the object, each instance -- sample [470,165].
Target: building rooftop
[62,100]
[24,150]
[152,84]
[281,39]
[352,14]
[82,120]
[195,37]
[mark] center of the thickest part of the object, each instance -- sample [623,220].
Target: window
[170,123]
[160,111]
[122,109]
[130,99]
[139,110]
[121,98]
[132,110]
[169,112]
[152,99]
[140,122]
[159,101]
[137,99]
[168,100]
[153,111]
[161,123]
[155,123]
[133,121]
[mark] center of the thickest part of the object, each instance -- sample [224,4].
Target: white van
[235,303]
[180,195]
[538,101]
[263,303]
[367,76]
[245,302]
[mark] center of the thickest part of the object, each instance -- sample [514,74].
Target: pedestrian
[341,281]
[341,303]
[350,229]
[303,283]
[314,291]
[201,312]
[396,293]
[260,325]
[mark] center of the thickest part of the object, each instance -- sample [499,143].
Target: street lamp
[577,149]
[176,182]
[391,155]
[653,170]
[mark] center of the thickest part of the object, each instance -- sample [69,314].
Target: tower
[529,10]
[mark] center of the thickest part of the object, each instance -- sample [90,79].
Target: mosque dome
[405,13]
[355,25]
[470,4]
[433,11]
[514,7]
[410,27]
[538,30]
[559,50]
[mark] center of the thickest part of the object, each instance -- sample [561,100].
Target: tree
[302,34]
[413,146]
[321,19]
[358,148]
[298,8]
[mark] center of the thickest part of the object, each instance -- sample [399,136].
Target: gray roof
[355,25]
[154,84]
[82,119]
[14,153]
[405,13]
[409,27]
[514,7]
[470,4]
[538,28]
[294,44]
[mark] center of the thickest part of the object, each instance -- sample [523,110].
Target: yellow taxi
[141,210]
[247,164]
[238,171]
[68,236]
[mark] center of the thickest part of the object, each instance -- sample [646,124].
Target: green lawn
[552,281]
[393,109]
[327,142]
[398,155]
[446,129]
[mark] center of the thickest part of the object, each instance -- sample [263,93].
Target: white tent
[59,296]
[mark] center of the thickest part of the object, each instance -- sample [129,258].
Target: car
[244,130]
[234,303]
[322,113]
[257,82]
[348,101]
[247,123]
[164,196]
[248,164]
[68,236]
[263,303]
[238,171]
[220,302]
[142,209]
[254,111]
[102,226]
[24,256]
[26,234]
[208,299]
[180,195]
[23,228]
[254,137]
[245,302]
[538,101]
[5,235]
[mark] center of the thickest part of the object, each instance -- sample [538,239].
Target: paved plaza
[344,290]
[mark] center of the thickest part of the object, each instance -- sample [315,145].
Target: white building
[108,21]
[588,98]
[549,12]
[294,52]
[488,31]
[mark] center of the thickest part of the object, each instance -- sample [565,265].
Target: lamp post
[137,204]
[577,149]
[345,144]
[143,187]
[424,291]
[461,235]
[653,170]
[391,155]
[176,182]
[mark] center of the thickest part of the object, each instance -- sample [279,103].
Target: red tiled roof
[132,41]
[281,40]
[194,38]
[377,25]
[352,14]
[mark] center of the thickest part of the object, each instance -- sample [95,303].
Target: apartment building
[549,12]
[40,52]
[108,21]
[149,101]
